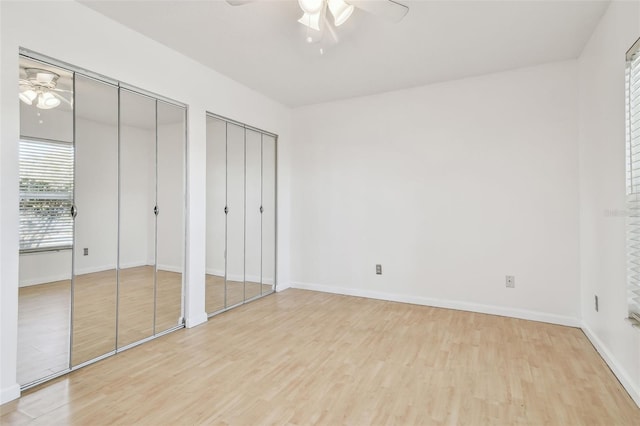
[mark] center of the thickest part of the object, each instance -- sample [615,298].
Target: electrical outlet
[596,300]
[378,269]
[86,251]
[510,281]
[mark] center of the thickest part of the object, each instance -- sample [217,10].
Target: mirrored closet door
[241,214]
[95,279]
[101,218]
[46,169]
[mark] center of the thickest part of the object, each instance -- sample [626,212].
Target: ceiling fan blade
[390,10]
[61,90]
[239,2]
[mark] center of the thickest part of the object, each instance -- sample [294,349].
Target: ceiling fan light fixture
[47,100]
[28,96]
[340,10]
[311,6]
[311,20]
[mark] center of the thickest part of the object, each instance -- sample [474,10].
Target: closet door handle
[226,209]
[156,210]
[74,211]
[261,209]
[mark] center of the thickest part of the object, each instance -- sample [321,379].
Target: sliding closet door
[216,218]
[253,220]
[235,214]
[46,167]
[96,224]
[269,164]
[137,243]
[170,192]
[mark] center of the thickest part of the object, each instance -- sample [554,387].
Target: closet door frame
[227,121]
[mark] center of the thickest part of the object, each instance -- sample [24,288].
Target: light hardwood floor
[301,357]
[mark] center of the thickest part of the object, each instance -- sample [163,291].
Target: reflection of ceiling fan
[315,11]
[40,87]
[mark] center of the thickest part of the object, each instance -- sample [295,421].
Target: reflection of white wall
[171,201]
[216,171]
[96,196]
[54,123]
[252,200]
[269,205]
[137,197]
[235,202]
[45,267]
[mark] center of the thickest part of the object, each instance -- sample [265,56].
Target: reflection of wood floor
[43,330]
[302,357]
[43,325]
[236,292]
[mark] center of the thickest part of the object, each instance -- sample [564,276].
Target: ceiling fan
[315,13]
[40,87]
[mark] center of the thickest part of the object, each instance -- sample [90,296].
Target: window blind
[46,195]
[633,178]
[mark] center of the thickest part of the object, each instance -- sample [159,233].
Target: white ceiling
[263,47]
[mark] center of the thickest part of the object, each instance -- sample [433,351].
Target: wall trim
[10,393]
[442,303]
[614,365]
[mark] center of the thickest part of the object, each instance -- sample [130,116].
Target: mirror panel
[216,225]
[235,217]
[253,243]
[96,224]
[137,245]
[46,174]
[269,164]
[171,201]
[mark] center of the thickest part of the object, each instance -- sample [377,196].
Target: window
[46,195]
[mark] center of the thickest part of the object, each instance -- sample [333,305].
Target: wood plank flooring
[301,357]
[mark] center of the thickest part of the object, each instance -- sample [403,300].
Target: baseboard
[169,268]
[196,320]
[94,269]
[239,278]
[10,393]
[618,370]
[44,280]
[282,286]
[448,304]
[127,265]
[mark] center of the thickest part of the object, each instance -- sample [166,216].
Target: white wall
[450,187]
[602,192]
[72,33]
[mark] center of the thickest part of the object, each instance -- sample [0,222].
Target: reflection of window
[633,178]
[46,195]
